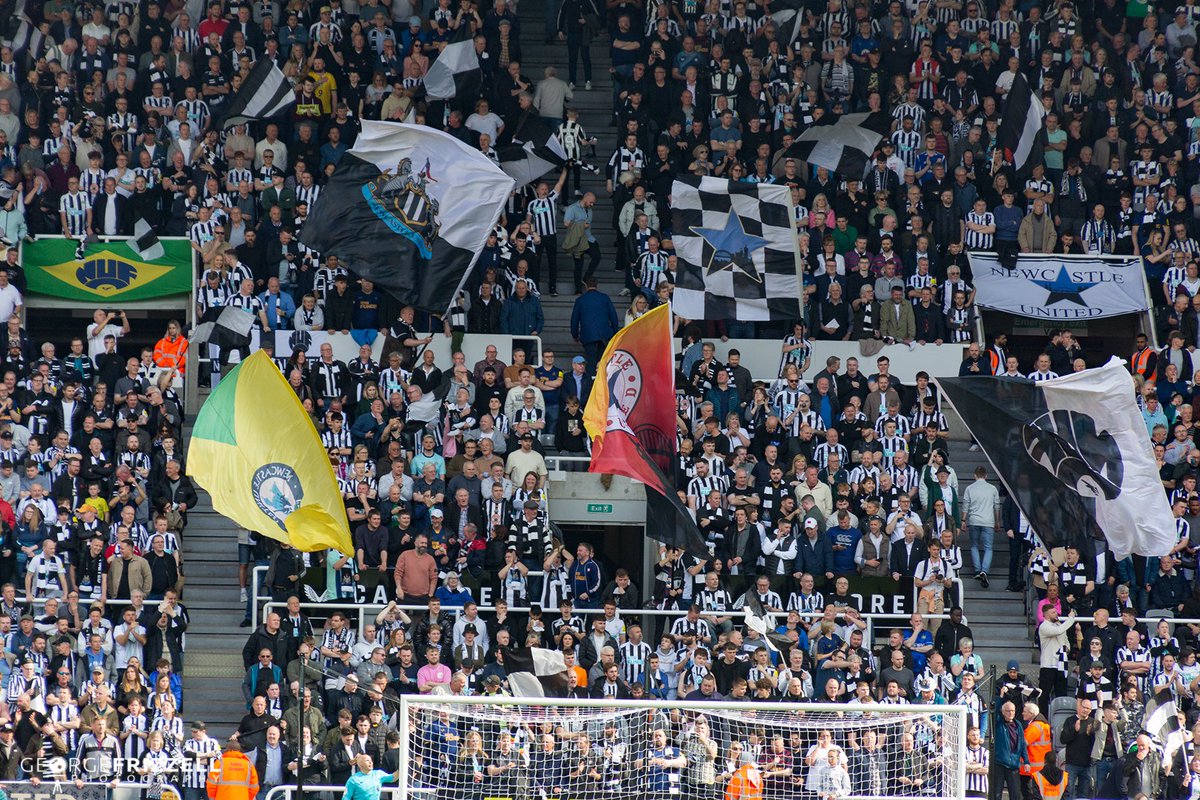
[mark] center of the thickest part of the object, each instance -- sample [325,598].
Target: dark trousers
[1053,684]
[1008,777]
[1016,560]
[576,48]
[592,352]
[550,248]
[593,257]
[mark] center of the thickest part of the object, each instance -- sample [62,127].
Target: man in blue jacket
[815,555]
[593,322]
[521,314]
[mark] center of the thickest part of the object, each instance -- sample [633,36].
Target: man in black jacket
[339,304]
[1078,735]
[269,636]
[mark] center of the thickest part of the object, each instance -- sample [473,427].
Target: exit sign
[600,508]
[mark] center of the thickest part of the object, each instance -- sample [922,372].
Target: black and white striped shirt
[796,357]
[977,783]
[75,206]
[633,659]
[975,240]
[1037,376]
[543,213]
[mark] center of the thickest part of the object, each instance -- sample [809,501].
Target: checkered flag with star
[736,249]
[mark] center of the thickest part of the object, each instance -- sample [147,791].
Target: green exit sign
[600,508]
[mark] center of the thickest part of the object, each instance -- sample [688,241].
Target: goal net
[503,748]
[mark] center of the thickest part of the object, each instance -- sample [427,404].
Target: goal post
[497,747]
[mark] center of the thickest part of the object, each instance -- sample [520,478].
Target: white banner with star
[1067,287]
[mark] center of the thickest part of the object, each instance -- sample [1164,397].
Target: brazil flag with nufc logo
[255,450]
[108,270]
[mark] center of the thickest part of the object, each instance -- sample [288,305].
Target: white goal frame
[409,702]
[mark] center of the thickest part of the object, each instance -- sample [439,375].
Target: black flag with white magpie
[843,145]
[266,92]
[535,672]
[1073,453]
[736,249]
[456,73]
[1021,125]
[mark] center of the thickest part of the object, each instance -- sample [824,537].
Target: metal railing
[260,608]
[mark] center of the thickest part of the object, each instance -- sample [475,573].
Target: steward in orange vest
[232,776]
[1038,742]
[1051,782]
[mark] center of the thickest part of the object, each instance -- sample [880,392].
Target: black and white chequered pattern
[765,210]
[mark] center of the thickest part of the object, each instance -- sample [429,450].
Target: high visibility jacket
[1139,363]
[1050,791]
[1038,742]
[746,784]
[171,354]
[232,777]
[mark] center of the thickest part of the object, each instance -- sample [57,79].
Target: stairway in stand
[213,662]
[595,113]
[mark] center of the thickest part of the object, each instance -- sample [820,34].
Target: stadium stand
[833,486]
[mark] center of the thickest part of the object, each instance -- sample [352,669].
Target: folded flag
[537,152]
[1020,128]
[1161,721]
[410,208]
[736,248]
[535,672]
[145,241]
[228,327]
[265,93]
[256,451]
[843,145]
[455,73]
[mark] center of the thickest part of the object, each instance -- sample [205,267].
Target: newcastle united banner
[1053,287]
[106,270]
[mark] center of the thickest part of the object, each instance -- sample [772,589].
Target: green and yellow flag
[255,450]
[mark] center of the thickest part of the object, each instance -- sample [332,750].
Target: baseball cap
[199,726]
[437,512]
[810,523]
[924,684]
[1014,664]
[578,360]
[6,728]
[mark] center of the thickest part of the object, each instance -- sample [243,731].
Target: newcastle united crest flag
[409,208]
[630,417]
[1075,454]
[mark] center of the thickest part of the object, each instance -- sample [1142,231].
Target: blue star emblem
[1063,288]
[732,247]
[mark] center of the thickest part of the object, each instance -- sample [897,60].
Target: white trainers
[624,293]
[588,86]
[245,596]
[974,448]
[570,85]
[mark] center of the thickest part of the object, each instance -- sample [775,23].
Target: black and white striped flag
[145,241]
[536,152]
[736,248]
[228,327]
[535,672]
[265,93]
[1021,125]
[456,73]
[1162,722]
[843,145]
